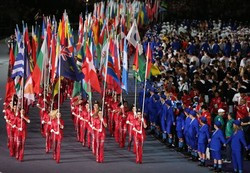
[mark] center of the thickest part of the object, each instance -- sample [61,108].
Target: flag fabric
[155,70]
[110,67]
[89,71]
[10,86]
[133,35]
[135,63]
[149,60]
[77,88]
[18,69]
[67,66]
[37,74]
[125,68]
[29,91]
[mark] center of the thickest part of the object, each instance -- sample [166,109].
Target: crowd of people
[200,99]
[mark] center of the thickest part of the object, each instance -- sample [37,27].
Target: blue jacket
[193,129]
[237,141]
[216,140]
[164,118]
[187,123]
[170,115]
[180,122]
[216,48]
[203,135]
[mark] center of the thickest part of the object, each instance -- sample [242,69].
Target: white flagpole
[144,89]
[105,81]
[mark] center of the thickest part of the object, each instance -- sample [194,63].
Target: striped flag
[18,69]
[125,68]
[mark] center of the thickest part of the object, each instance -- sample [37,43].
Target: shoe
[227,161]
[212,168]
[218,170]
[202,164]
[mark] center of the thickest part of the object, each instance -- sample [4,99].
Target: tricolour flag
[37,73]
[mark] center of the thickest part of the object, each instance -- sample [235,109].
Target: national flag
[135,63]
[125,67]
[110,67]
[133,35]
[10,86]
[34,45]
[37,73]
[149,60]
[89,71]
[155,70]
[28,90]
[18,69]
[67,66]
[77,89]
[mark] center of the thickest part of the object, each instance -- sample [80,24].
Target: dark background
[12,12]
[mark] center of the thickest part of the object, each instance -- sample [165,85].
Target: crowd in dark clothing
[203,81]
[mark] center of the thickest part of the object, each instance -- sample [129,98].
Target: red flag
[136,62]
[10,85]
[89,71]
[149,60]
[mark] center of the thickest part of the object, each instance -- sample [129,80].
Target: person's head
[236,125]
[204,108]
[139,113]
[96,105]
[242,101]
[230,116]
[203,120]
[221,112]
[217,125]
[87,105]
[192,114]
[100,113]
[22,111]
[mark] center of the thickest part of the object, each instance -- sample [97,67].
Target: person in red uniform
[139,126]
[57,126]
[46,121]
[122,127]
[77,116]
[215,103]
[114,110]
[99,125]
[10,118]
[130,120]
[84,120]
[205,113]
[94,113]
[20,133]
[241,110]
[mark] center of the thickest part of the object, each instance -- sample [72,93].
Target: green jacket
[229,128]
[220,119]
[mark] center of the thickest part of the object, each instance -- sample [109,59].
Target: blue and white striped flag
[125,67]
[18,68]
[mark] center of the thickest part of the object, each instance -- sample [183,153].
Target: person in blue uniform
[180,123]
[164,120]
[151,109]
[203,139]
[169,121]
[157,115]
[186,126]
[217,139]
[237,143]
[193,131]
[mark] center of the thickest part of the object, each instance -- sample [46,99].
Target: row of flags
[102,48]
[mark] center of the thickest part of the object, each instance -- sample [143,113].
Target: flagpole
[105,82]
[59,90]
[144,91]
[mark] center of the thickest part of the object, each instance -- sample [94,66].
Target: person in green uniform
[219,117]
[229,132]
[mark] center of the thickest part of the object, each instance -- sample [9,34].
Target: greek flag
[18,68]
